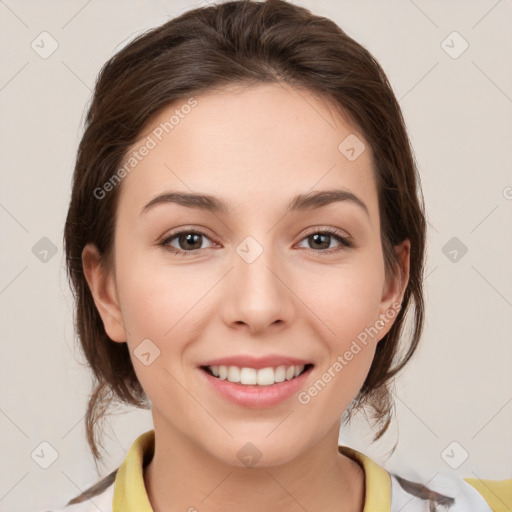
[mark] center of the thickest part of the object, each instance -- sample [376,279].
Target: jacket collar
[130,493]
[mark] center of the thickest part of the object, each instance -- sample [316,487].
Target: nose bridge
[254,259]
[256,293]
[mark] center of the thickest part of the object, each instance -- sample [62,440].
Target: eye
[321,240]
[188,240]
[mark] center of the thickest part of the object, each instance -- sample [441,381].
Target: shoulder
[451,493]
[498,493]
[388,491]
[129,476]
[97,501]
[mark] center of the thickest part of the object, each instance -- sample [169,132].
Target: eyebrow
[308,201]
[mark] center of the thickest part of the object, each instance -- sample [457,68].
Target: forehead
[258,143]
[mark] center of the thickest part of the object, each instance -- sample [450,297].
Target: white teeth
[234,374]
[248,376]
[265,376]
[280,374]
[261,377]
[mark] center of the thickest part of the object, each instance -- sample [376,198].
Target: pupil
[317,236]
[189,239]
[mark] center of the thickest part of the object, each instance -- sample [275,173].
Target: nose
[256,293]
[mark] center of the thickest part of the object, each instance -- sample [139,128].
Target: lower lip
[256,397]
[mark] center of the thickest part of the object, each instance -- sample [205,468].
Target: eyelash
[346,242]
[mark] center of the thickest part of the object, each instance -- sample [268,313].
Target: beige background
[458,111]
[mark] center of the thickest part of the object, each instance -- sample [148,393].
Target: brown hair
[241,42]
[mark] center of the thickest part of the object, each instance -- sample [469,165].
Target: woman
[245,238]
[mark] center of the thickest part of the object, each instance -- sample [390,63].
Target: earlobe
[102,286]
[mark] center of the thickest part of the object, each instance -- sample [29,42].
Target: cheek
[349,309]
[345,298]
[157,302]
[346,302]
[165,308]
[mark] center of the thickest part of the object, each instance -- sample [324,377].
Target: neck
[183,476]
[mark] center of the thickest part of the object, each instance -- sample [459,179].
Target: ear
[102,285]
[394,288]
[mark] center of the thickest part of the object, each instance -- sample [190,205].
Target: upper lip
[246,361]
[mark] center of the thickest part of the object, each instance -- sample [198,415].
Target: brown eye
[188,242]
[321,240]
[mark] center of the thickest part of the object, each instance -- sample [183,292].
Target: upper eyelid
[313,229]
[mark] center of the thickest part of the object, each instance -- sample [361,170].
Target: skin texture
[256,148]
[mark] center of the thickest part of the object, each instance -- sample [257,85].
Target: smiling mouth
[253,377]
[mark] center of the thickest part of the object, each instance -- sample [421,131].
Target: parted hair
[239,42]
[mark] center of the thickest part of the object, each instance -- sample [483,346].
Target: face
[191,284]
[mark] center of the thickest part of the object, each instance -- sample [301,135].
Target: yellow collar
[377,481]
[130,493]
[129,490]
